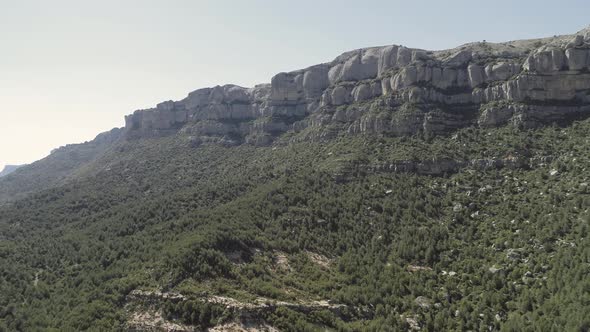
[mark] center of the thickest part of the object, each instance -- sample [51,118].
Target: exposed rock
[527,83]
[416,268]
[423,302]
[319,259]
[494,269]
[513,254]
[577,59]
[315,81]
[413,322]
[287,88]
[476,75]
[362,92]
[143,314]
[248,326]
[281,262]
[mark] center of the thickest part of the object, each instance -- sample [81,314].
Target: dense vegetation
[501,249]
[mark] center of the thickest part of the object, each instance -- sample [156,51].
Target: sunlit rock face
[394,90]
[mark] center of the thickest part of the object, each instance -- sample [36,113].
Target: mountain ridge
[391,90]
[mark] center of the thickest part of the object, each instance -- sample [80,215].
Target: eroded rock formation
[393,90]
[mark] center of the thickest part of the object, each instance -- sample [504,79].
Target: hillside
[326,200]
[59,167]
[9,169]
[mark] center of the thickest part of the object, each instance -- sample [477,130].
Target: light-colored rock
[236,94]
[407,77]
[340,95]
[577,59]
[494,269]
[458,59]
[476,75]
[523,83]
[404,56]
[501,71]
[387,59]
[362,92]
[315,81]
[423,302]
[285,88]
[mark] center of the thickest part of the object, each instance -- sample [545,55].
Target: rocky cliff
[391,90]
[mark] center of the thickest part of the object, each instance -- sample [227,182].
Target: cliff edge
[392,90]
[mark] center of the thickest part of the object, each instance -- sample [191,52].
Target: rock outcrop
[392,90]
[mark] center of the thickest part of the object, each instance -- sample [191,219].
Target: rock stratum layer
[391,90]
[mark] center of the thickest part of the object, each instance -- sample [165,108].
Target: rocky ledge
[391,90]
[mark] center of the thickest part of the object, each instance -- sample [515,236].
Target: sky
[72,69]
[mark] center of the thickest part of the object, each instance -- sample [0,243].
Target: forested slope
[310,235]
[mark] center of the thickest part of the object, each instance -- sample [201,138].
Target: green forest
[499,248]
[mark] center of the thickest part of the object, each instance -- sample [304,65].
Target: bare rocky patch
[152,320]
[319,259]
[281,262]
[145,313]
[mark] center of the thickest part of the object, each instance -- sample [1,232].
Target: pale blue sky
[71,69]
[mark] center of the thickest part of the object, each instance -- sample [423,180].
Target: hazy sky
[72,69]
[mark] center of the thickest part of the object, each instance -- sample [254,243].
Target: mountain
[9,169]
[392,90]
[60,166]
[390,189]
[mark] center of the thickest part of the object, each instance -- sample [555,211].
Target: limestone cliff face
[393,90]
